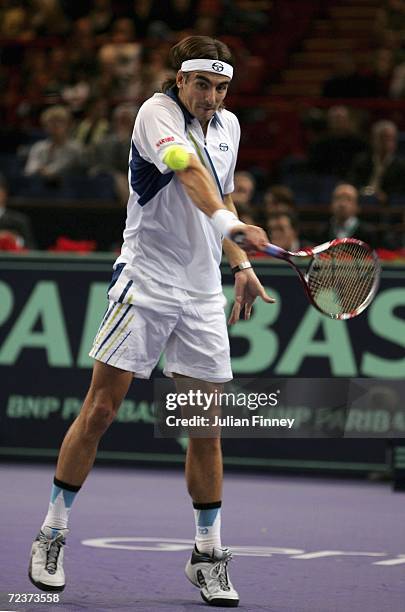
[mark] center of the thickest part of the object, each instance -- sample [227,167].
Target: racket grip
[272,249]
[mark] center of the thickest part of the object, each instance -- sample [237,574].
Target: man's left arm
[247,285]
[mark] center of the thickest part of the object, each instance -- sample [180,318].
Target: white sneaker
[210,574]
[46,563]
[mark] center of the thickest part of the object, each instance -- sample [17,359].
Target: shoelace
[52,548]
[219,572]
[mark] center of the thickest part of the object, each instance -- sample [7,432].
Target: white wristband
[224,221]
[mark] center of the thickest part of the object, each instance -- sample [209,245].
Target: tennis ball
[176,157]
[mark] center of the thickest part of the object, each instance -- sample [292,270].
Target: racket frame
[279,253]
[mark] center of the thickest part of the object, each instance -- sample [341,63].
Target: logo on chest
[223,146]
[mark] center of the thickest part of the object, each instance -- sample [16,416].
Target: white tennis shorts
[146,318]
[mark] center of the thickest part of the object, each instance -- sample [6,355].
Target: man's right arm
[201,189]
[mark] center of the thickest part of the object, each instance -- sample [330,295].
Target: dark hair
[281,194]
[196,47]
[290,215]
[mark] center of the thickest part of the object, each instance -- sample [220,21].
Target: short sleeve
[158,127]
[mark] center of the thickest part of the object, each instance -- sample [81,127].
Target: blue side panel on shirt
[146,180]
[115,275]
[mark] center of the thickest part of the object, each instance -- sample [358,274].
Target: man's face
[202,93]
[57,128]
[344,202]
[281,232]
[243,191]
[339,120]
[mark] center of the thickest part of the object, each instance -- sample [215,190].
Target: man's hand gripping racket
[341,278]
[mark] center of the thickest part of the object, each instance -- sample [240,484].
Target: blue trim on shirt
[214,172]
[115,275]
[188,117]
[146,180]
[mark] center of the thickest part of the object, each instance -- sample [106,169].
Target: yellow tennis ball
[176,157]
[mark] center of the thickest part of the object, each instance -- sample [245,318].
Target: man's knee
[98,416]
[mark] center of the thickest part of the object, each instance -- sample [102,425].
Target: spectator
[58,74]
[206,25]
[246,215]
[121,58]
[181,14]
[14,23]
[283,231]
[57,155]
[17,225]
[110,155]
[144,13]
[346,81]
[242,18]
[380,172]
[76,93]
[394,238]
[82,51]
[48,18]
[278,198]
[381,73]
[154,71]
[344,222]
[94,126]
[244,188]
[101,16]
[397,85]
[334,152]
[395,15]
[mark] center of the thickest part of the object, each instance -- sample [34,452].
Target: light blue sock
[207,526]
[62,497]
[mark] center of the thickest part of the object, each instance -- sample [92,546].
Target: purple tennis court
[300,544]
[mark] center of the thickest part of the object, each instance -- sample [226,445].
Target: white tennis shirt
[166,235]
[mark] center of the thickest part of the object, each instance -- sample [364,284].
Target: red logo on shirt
[163,140]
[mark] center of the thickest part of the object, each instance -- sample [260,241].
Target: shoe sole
[46,587]
[219,601]
[224,603]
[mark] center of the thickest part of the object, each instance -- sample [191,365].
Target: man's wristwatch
[244,265]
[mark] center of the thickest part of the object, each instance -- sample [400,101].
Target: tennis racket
[341,278]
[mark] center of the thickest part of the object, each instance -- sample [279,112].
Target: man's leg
[204,470]
[204,483]
[207,567]
[108,388]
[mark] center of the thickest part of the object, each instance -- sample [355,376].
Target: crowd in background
[74,74]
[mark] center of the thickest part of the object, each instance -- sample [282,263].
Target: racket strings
[342,278]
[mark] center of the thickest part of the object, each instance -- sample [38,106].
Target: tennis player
[165,295]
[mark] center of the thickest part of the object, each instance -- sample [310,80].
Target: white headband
[208,65]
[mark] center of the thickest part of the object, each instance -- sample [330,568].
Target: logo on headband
[217,67]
